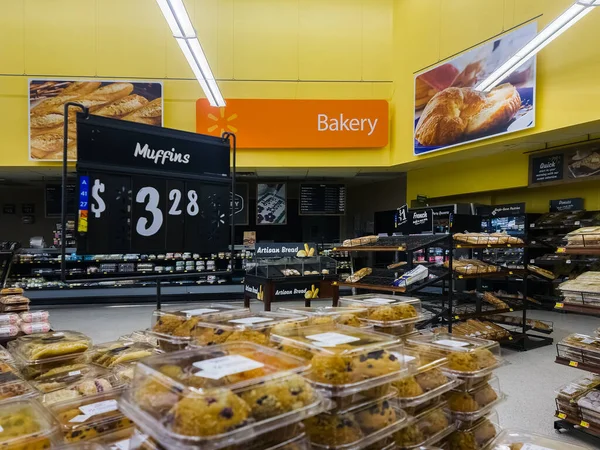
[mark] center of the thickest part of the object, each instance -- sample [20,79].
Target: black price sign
[566,204]
[420,221]
[547,168]
[401,217]
[154,190]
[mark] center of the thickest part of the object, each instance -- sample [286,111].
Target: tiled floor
[529,379]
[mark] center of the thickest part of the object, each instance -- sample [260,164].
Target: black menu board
[53,199]
[322,199]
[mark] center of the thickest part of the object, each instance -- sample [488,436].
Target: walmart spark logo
[222,122]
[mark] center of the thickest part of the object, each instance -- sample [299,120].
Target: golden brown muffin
[462,402]
[211,336]
[385,314]
[431,379]
[333,369]
[333,430]
[434,422]
[409,436]
[349,320]
[405,310]
[186,328]
[375,364]
[257,337]
[485,396]
[167,324]
[408,387]
[484,432]
[462,362]
[484,358]
[376,417]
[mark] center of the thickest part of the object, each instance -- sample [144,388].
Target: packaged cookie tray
[474,436]
[213,418]
[472,405]
[574,389]
[47,347]
[317,315]
[356,427]
[13,387]
[90,417]
[26,424]
[509,439]
[110,354]
[71,387]
[375,299]
[426,428]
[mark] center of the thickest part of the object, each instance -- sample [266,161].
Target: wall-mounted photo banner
[449,112]
[131,101]
[263,123]
[271,207]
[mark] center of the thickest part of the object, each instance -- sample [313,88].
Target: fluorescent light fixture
[561,24]
[183,31]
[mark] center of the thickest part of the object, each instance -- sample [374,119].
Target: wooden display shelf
[582,309]
[569,422]
[578,365]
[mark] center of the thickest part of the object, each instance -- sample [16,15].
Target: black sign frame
[339,186]
[547,168]
[567,204]
[506,210]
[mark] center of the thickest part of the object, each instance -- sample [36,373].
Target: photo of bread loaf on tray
[134,102]
[449,109]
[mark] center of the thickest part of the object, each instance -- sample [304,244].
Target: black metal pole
[158,294]
[63,211]
[233,139]
[451,282]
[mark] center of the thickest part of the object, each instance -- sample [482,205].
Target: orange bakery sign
[298,123]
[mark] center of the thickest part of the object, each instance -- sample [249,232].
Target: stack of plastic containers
[355,369]
[174,329]
[232,395]
[318,315]
[388,314]
[469,405]
[26,424]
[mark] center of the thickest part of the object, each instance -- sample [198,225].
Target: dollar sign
[98,187]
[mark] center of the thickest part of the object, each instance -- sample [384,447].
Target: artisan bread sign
[267,123]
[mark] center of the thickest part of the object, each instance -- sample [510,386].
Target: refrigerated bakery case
[291,278]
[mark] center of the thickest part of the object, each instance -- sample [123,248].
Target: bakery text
[160,155]
[325,123]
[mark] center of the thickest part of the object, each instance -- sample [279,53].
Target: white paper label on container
[99,407]
[121,445]
[403,358]
[218,368]
[60,334]
[80,418]
[380,301]
[74,373]
[534,447]
[1,429]
[331,339]
[200,311]
[589,341]
[251,320]
[571,389]
[449,343]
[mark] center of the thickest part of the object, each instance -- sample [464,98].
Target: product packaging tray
[70,388]
[111,354]
[12,387]
[318,315]
[49,347]
[26,424]
[530,441]
[471,406]
[475,436]
[426,428]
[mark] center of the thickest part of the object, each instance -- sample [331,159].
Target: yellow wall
[311,49]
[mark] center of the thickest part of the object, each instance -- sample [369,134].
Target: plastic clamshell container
[475,435]
[426,386]
[64,378]
[140,336]
[425,428]
[468,358]
[49,347]
[581,348]
[110,354]
[374,299]
[90,417]
[45,370]
[5,355]
[81,446]
[9,319]
[13,387]
[125,372]
[26,425]
[472,405]
[92,384]
[327,314]
[243,326]
[536,442]
[117,440]
[574,389]
[356,427]
[346,360]
[173,329]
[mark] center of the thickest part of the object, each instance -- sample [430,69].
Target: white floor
[529,379]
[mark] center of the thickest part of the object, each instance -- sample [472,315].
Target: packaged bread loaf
[359,274]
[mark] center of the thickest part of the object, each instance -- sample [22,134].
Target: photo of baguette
[132,101]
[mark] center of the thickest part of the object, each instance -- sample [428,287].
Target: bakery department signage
[566,204]
[509,209]
[421,221]
[547,168]
[279,250]
[580,163]
[266,123]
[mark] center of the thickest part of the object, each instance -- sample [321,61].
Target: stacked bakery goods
[320,315]
[471,423]
[229,393]
[355,368]
[487,239]
[471,266]
[13,300]
[11,324]
[478,329]
[584,237]
[583,289]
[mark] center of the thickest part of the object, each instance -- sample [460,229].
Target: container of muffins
[474,435]
[26,424]
[522,440]
[425,428]
[362,425]
[346,360]
[111,354]
[90,417]
[117,440]
[66,388]
[12,387]
[468,406]
[173,329]
[388,314]
[220,395]
[239,326]
[470,359]
[318,315]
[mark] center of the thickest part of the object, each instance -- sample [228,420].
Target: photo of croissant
[133,101]
[449,110]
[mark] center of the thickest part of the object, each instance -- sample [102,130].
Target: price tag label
[457,318]
[568,261]
[531,261]
[561,250]
[331,339]
[577,222]
[532,225]
[562,416]
[510,338]
[511,310]
[573,363]
[559,305]
[584,424]
[251,320]
[218,368]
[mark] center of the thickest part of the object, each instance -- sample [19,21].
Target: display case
[291,278]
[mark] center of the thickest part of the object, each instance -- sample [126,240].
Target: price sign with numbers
[151,189]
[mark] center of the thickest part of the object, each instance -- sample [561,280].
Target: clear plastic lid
[140,336]
[25,424]
[243,326]
[427,384]
[46,373]
[475,436]
[212,418]
[574,389]
[76,387]
[13,387]
[583,341]
[391,317]
[87,418]
[5,355]
[472,405]
[346,360]
[46,347]
[426,428]
[356,427]
[374,298]
[467,357]
[110,354]
[318,315]
[524,440]
[117,440]
[125,372]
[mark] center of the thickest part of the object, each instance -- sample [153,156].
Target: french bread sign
[264,123]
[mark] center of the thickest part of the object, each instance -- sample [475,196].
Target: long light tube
[183,31]
[561,24]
